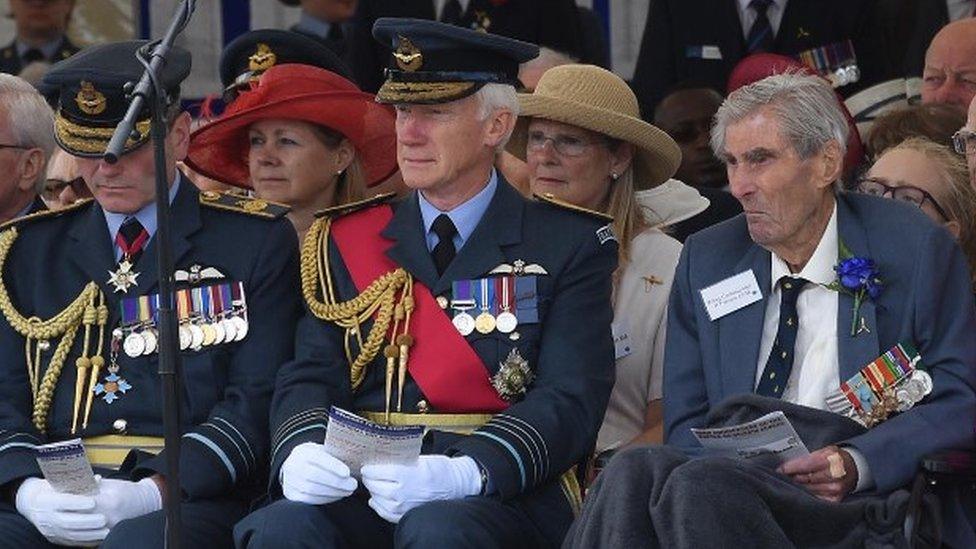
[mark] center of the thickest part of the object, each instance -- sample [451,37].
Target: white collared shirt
[439,7]
[747,15]
[959,9]
[815,363]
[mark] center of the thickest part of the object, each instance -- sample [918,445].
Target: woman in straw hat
[301,135]
[581,135]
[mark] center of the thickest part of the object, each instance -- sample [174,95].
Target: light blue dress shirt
[465,217]
[146,216]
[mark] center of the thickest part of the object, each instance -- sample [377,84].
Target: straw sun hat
[595,99]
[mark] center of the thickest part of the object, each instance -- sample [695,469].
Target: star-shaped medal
[123,278]
[111,388]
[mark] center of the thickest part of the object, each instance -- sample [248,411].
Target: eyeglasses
[905,193]
[565,145]
[53,187]
[964,141]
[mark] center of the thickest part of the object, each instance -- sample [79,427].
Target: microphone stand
[149,91]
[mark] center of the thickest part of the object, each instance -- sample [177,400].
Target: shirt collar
[314,26]
[465,216]
[47,48]
[820,268]
[744,4]
[146,216]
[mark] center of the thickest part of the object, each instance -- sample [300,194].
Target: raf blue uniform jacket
[927,301]
[226,389]
[570,350]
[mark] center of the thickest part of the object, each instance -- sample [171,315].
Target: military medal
[133,345]
[461,304]
[112,387]
[196,336]
[485,322]
[185,337]
[239,317]
[890,383]
[506,321]
[513,376]
[124,277]
[152,342]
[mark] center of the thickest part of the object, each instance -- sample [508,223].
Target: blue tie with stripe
[761,33]
[780,361]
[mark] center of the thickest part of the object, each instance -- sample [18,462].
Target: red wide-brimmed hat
[760,65]
[297,92]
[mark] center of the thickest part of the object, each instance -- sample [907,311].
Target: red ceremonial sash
[448,371]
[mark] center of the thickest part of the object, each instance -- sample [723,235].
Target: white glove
[64,519]
[311,475]
[397,489]
[118,500]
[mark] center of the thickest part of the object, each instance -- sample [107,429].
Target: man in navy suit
[703,40]
[777,330]
[502,348]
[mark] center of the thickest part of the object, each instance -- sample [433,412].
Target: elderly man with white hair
[850,315]
[26,142]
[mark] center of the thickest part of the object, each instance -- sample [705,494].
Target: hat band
[91,140]
[450,76]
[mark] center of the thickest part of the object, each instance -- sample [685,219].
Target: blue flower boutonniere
[857,277]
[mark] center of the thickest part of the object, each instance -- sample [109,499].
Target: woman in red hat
[302,136]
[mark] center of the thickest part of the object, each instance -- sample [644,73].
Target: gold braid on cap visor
[89,140]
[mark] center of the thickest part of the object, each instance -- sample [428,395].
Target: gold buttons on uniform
[422,407]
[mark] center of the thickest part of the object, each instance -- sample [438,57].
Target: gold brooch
[408,56]
[90,100]
[262,59]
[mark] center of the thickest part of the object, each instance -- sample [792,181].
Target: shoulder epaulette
[548,198]
[257,207]
[349,207]
[45,214]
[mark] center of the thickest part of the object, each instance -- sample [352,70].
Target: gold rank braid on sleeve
[389,297]
[87,309]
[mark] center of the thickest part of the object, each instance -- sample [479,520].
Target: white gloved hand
[64,519]
[118,500]
[311,475]
[397,489]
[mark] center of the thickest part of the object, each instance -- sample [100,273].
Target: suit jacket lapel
[500,225]
[854,352]
[733,43]
[185,220]
[409,249]
[91,246]
[740,333]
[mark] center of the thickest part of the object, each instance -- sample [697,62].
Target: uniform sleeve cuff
[865,481]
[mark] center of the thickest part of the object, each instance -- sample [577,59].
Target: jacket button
[422,407]
[120,426]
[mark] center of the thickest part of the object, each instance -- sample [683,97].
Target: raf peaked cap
[435,63]
[90,97]
[252,53]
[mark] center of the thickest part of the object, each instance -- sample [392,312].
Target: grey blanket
[658,496]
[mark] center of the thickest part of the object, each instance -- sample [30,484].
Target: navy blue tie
[780,361]
[761,33]
[443,251]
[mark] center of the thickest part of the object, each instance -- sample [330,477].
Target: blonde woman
[581,135]
[934,178]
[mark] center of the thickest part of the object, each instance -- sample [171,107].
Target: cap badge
[262,59]
[408,56]
[90,100]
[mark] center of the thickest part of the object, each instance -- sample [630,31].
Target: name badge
[713,53]
[621,341]
[731,294]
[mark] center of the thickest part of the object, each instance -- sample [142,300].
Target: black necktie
[451,14]
[444,251]
[32,55]
[761,33]
[780,361]
[131,239]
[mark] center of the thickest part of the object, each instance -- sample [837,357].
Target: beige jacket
[640,310]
